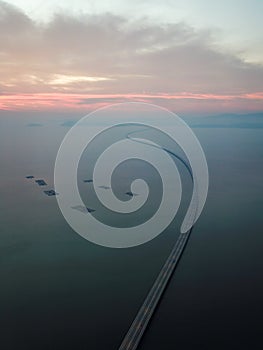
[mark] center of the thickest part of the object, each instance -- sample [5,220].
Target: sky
[190,56]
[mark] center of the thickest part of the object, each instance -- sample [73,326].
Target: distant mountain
[244,121]
[69,123]
[34,124]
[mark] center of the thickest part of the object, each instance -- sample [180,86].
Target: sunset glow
[80,61]
[84,102]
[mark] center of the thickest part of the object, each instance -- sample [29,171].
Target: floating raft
[50,193]
[41,182]
[83,209]
[90,210]
[129,193]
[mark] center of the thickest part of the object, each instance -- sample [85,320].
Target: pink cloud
[183,102]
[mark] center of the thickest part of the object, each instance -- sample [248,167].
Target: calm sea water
[59,291]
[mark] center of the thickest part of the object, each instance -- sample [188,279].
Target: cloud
[108,55]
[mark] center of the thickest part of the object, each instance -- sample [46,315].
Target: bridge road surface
[137,329]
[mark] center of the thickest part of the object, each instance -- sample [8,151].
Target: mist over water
[59,291]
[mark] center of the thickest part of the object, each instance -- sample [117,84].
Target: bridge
[138,327]
[145,313]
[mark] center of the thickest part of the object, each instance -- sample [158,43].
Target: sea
[61,291]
